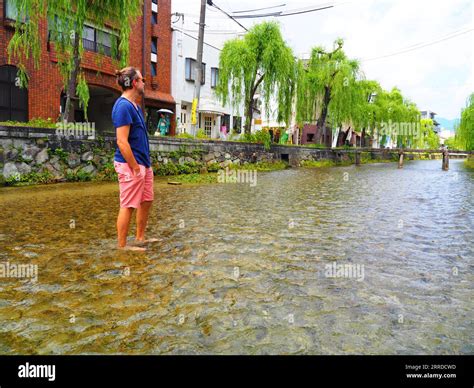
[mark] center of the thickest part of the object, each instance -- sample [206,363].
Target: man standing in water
[132,158]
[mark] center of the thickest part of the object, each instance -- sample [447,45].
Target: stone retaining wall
[38,155]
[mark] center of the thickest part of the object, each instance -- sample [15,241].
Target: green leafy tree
[394,112]
[66,24]
[428,138]
[262,62]
[365,111]
[464,138]
[327,87]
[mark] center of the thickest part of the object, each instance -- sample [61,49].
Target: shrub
[60,153]
[38,123]
[213,167]
[185,136]
[201,134]
[107,172]
[79,176]
[260,137]
[29,179]
[188,168]
[163,169]
[317,145]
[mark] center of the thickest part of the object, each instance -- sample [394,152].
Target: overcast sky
[438,77]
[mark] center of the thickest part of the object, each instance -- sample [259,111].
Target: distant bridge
[403,151]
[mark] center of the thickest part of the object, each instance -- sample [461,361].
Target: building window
[237,124]
[154,18]
[214,76]
[11,11]
[93,39]
[208,125]
[191,69]
[56,29]
[183,117]
[153,69]
[13,100]
[88,38]
[98,41]
[154,45]
[203,76]
[104,42]
[189,76]
[154,7]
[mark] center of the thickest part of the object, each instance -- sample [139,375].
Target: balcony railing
[91,45]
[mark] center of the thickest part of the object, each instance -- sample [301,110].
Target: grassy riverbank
[172,172]
[365,158]
[212,177]
[469,162]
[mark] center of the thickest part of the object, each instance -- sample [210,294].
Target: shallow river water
[244,270]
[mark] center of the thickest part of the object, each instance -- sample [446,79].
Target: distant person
[132,158]
[163,126]
[223,132]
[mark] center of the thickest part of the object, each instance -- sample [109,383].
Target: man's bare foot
[132,248]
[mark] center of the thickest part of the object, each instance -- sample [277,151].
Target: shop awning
[210,107]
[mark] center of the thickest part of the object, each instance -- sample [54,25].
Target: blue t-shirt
[125,113]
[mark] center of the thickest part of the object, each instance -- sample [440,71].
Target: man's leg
[130,194]
[123,223]
[145,206]
[142,218]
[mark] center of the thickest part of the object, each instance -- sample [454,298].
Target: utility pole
[198,70]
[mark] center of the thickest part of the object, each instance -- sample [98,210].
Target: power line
[421,45]
[290,12]
[214,32]
[212,4]
[185,33]
[264,15]
[259,9]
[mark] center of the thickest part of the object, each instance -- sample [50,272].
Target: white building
[212,116]
[429,114]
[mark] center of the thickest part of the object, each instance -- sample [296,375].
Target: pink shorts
[134,190]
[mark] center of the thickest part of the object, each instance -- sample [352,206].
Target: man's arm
[125,149]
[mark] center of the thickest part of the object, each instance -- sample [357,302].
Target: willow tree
[365,113]
[66,24]
[427,137]
[465,131]
[395,111]
[327,87]
[259,62]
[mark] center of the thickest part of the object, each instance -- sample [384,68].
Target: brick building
[150,51]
